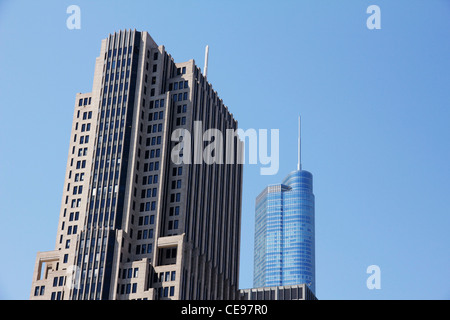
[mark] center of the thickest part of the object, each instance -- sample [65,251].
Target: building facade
[284,233]
[134,223]
[291,292]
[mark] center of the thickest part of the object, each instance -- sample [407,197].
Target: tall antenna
[299,164]
[205,69]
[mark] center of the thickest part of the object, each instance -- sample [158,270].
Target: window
[155,67]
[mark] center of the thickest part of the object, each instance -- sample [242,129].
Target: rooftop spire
[299,164]
[205,69]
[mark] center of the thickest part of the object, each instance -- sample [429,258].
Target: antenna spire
[205,69]
[299,164]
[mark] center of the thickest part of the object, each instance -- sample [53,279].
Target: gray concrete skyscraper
[133,223]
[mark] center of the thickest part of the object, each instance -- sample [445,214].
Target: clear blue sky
[375,108]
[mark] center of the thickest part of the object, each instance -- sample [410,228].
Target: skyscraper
[133,223]
[284,232]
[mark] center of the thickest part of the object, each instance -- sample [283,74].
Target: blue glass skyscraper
[284,232]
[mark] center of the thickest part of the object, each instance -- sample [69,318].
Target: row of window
[114,52]
[148,206]
[39,291]
[146,220]
[155,116]
[181,121]
[150,192]
[182,108]
[86,115]
[178,85]
[84,102]
[175,197]
[82,152]
[174,211]
[156,128]
[112,64]
[149,179]
[156,104]
[180,97]
[57,295]
[127,288]
[70,229]
[129,273]
[176,184]
[173,225]
[115,100]
[144,248]
[73,216]
[75,203]
[84,127]
[164,276]
[58,281]
[145,234]
[153,141]
[150,154]
[116,87]
[163,292]
[150,166]
[81,164]
[77,189]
